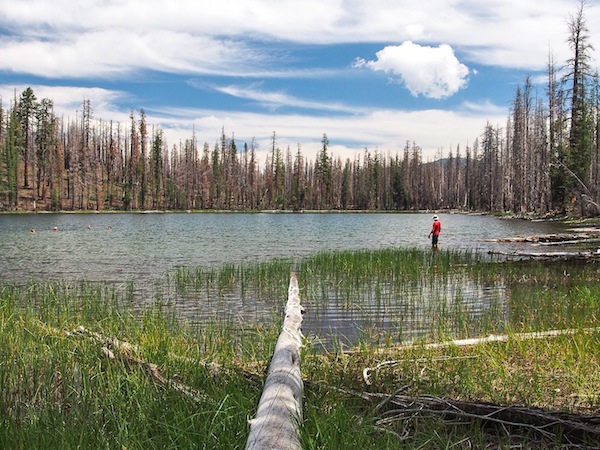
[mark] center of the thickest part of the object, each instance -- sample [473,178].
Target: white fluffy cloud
[433,72]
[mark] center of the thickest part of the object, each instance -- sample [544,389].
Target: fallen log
[550,239]
[279,412]
[549,255]
[572,242]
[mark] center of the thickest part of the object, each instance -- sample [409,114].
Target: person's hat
[435,217]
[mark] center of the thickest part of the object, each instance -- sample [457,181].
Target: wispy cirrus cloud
[119,53]
[118,37]
[275,100]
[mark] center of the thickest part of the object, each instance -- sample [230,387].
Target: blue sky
[369,73]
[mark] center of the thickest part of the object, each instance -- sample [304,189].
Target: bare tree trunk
[279,410]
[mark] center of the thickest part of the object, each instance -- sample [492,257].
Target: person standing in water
[436,229]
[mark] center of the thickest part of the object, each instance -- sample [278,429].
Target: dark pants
[434,239]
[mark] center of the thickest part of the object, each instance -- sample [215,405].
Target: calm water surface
[143,248]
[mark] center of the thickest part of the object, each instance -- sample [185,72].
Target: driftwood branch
[573,428]
[279,413]
[551,239]
[550,255]
[587,236]
[576,430]
[579,240]
[369,370]
[475,341]
[113,348]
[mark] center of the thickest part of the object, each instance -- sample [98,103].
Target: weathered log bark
[550,255]
[552,239]
[279,413]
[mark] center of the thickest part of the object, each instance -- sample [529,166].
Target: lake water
[143,248]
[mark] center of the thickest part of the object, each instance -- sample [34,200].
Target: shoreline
[551,216]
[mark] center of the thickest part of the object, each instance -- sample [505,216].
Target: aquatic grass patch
[387,295]
[407,291]
[558,296]
[261,277]
[395,295]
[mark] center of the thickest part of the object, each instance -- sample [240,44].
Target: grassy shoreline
[67,383]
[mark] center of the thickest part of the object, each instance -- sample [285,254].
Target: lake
[144,248]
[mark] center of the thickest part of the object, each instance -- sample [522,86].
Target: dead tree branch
[113,348]
[574,428]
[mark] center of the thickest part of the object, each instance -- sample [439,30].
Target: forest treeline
[545,159]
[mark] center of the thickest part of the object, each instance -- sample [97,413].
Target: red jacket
[437,227]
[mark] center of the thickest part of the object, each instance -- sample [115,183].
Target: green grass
[555,374]
[60,391]
[58,388]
